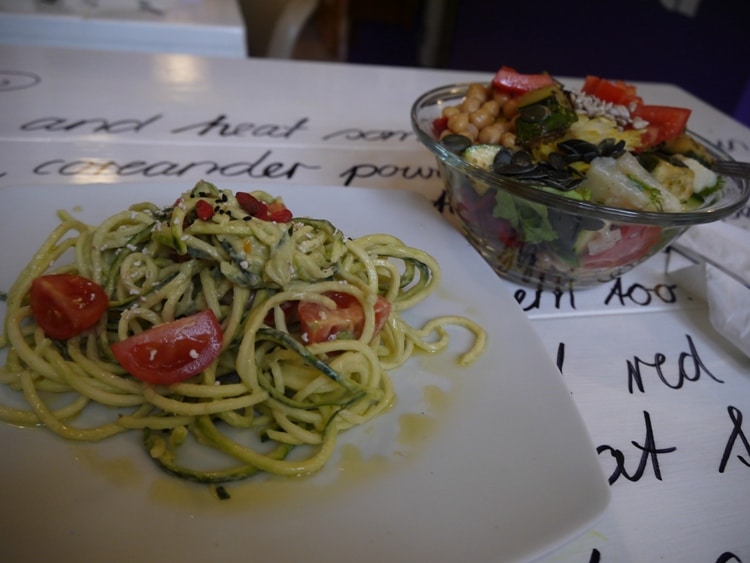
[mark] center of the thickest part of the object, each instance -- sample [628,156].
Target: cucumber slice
[481,155]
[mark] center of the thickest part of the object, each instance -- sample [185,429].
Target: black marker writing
[649,453]
[91,124]
[690,368]
[362,171]
[639,294]
[736,416]
[441,202]
[728,556]
[725,557]
[371,135]
[221,127]
[560,356]
[11,80]
[262,167]
[520,296]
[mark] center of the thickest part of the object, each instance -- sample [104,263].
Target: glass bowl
[594,243]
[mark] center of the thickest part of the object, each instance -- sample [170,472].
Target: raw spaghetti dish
[219,324]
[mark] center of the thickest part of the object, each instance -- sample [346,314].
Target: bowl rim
[588,209]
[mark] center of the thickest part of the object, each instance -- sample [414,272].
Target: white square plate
[486,463]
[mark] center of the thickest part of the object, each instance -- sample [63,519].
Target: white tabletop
[657,387]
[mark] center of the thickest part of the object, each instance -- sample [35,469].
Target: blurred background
[699,45]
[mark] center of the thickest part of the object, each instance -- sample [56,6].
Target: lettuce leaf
[529,219]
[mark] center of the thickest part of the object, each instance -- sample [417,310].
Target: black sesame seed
[222,493]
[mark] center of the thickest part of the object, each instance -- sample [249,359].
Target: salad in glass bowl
[560,187]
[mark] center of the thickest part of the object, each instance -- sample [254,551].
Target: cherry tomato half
[616,92]
[65,305]
[171,352]
[275,211]
[635,243]
[664,122]
[204,210]
[321,324]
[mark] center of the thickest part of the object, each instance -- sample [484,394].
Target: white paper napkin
[721,278]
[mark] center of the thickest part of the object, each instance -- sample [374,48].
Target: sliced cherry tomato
[204,210]
[617,92]
[251,204]
[664,123]
[634,243]
[321,324]
[508,80]
[171,352]
[278,213]
[589,85]
[275,211]
[65,305]
[289,308]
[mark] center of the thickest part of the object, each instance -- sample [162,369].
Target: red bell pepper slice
[508,79]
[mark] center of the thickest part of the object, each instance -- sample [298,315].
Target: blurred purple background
[706,53]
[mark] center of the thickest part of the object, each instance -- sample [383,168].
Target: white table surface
[69,116]
[198,27]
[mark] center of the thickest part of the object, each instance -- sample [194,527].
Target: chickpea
[478,91]
[471,131]
[450,111]
[484,116]
[508,140]
[510,108]
[458,122]
[481,119]
[492,107]
[470,104]
[500,97]
[491,134]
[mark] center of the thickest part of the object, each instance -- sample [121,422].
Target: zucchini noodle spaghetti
[308,325]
